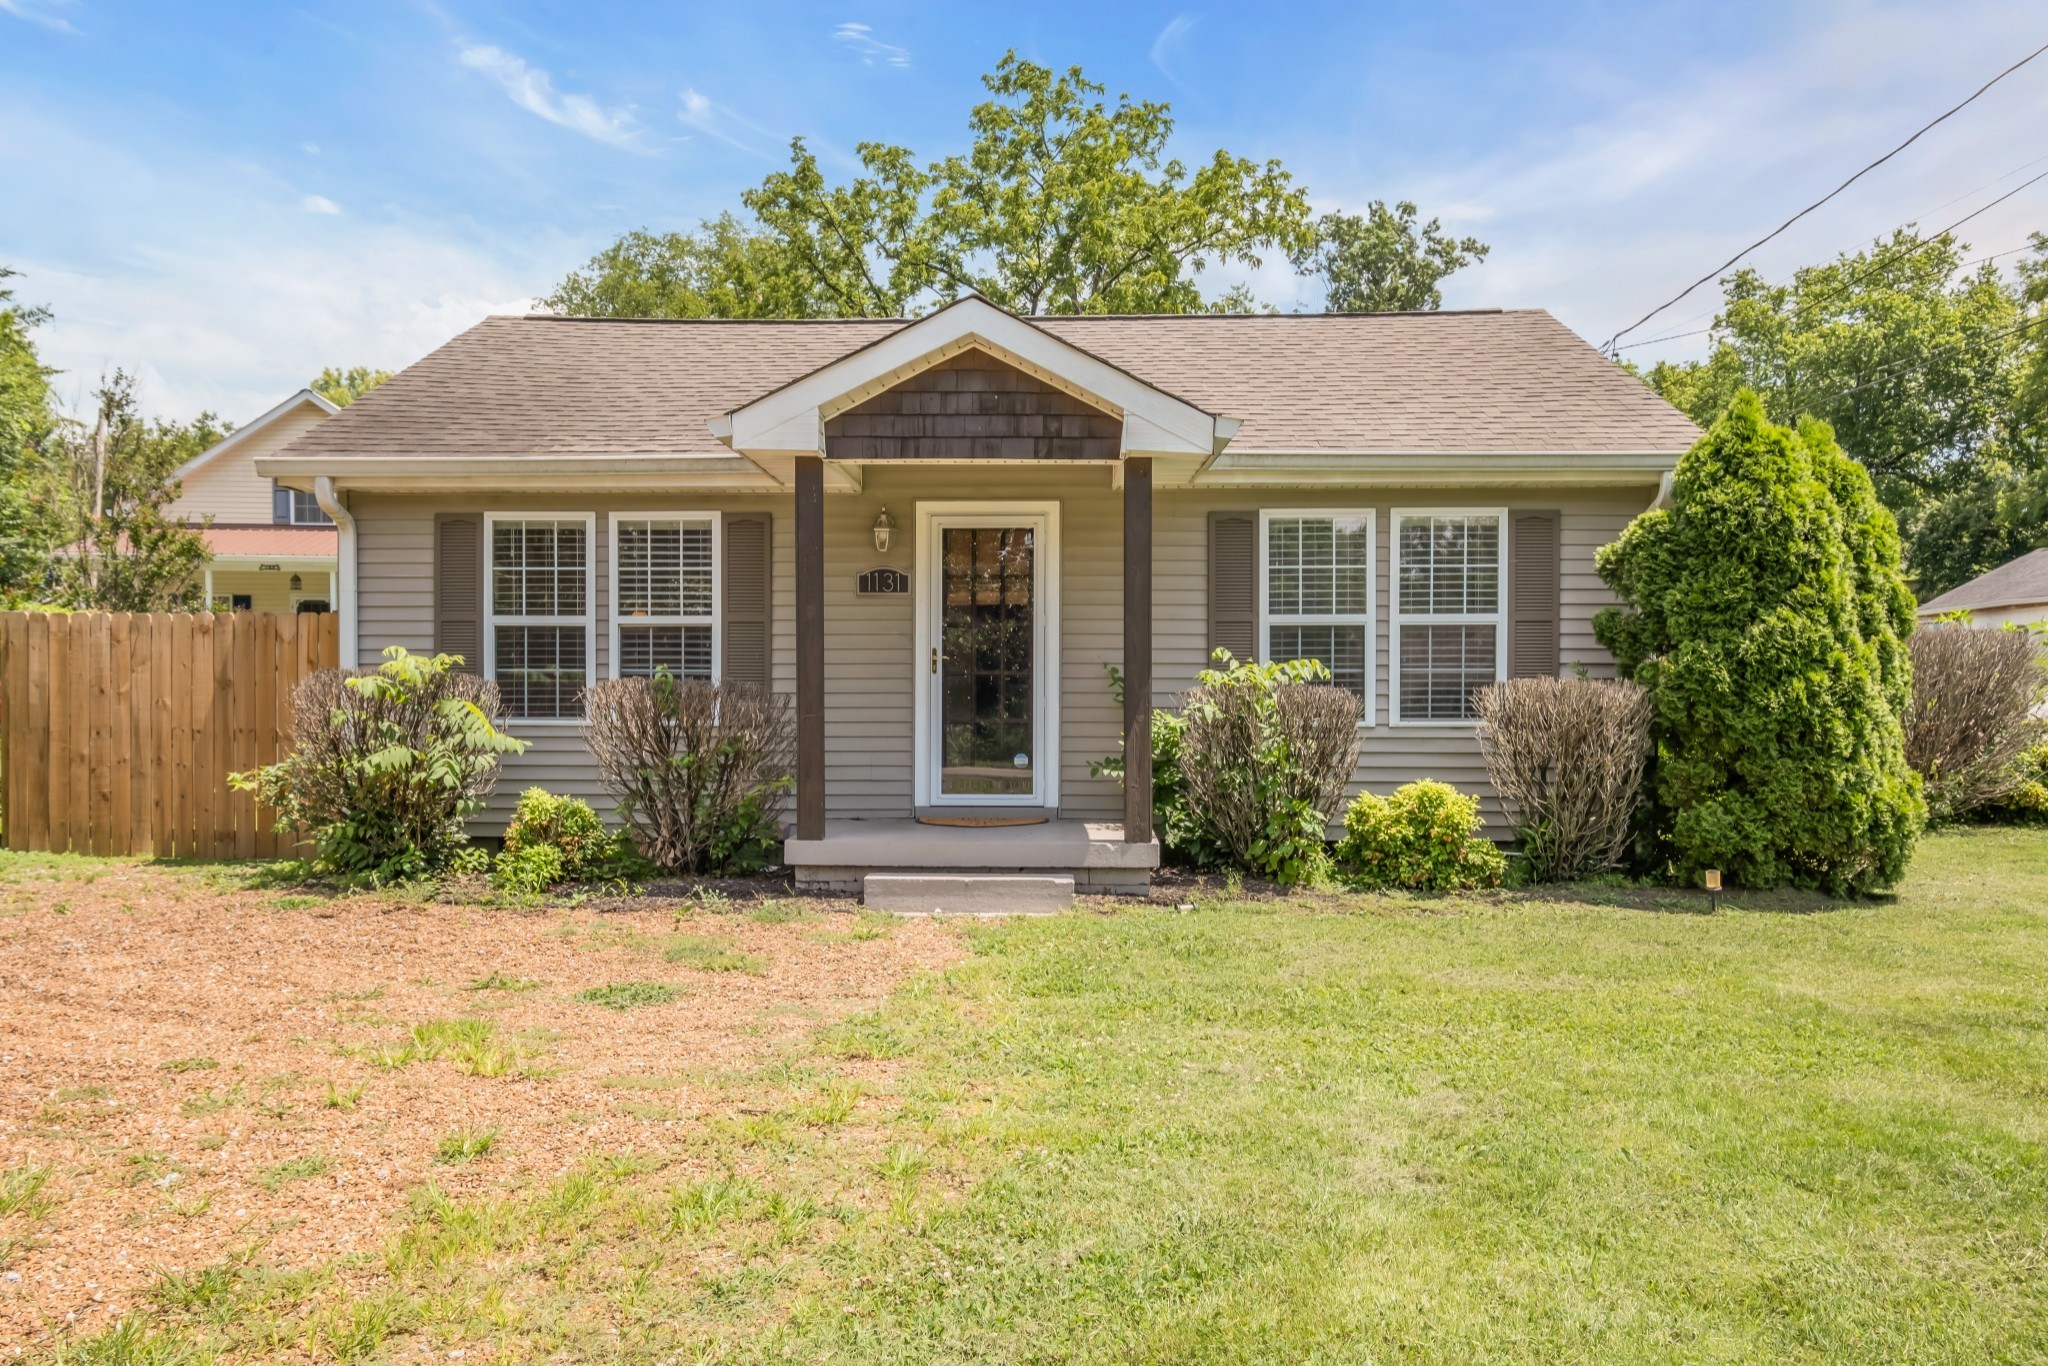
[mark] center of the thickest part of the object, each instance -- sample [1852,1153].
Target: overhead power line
[1921,132]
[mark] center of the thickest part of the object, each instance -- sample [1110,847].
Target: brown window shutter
[1535,594]
[1233,584]
[749,596]
[459,588]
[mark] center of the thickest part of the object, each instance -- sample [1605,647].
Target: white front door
[987,665]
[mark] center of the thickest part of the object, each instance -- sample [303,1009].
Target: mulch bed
[118,990]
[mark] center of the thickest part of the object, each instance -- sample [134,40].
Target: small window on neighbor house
[296,507]
[540,618]
[1317,574]
[1449,626]
[665,595]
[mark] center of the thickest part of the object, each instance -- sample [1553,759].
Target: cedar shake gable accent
[974,405]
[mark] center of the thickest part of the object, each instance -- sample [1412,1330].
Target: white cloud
[713,119]
[1171,44]
[231,296]
[1603,220]
[533,90]
[861,40]
[43,12]
[319,203]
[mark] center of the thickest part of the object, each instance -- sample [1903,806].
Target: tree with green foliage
[1979,528]
[1065,203]
[28,416]
[1915,361]
[1766,615]
[1382,262]
[108,488]
[343,387]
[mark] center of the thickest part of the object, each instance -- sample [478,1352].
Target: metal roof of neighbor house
[1480,382]
[272,542]
[2016,583]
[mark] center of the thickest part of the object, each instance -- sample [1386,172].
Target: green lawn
[1600,1128]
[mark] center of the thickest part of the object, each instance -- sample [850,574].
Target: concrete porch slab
[968,893]
[1059,846]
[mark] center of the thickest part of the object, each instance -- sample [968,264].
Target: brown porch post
[810,648]
[1137,650]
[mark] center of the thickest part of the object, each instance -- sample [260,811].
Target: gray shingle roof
[2016,583]
[1456,382]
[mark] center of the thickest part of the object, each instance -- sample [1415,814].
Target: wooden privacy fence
[120,729]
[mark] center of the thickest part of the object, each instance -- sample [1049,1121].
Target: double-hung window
[1315,591]
[540,626]
[1450,627]
[665,594]
[296,507]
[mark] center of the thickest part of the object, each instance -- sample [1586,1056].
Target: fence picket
[34,737]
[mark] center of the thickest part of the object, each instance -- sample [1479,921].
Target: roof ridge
[1033,318]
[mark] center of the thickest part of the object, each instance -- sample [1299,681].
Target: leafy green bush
[386,766]
[698,769]
[1264,752]
[555,839]
[1766,616]
[1183,842]
[1421,838]
[529,868]
[2027,802]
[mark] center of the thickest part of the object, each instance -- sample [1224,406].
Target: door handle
[936,657]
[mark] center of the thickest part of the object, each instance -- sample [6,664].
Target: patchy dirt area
[190,1069]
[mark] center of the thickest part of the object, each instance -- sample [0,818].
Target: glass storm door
[986,664]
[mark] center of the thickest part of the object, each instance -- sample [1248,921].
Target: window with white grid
[665,595]
[540,613]
[1315,572]
[1450,625]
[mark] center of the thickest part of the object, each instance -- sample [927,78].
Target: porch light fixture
[297,583]
[885,531]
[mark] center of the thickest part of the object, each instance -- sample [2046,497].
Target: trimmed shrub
[1422,838]
[1566,756]
[1972,715]
[1765,615]
[1264,753]
[566,827]
[698,770]
[386,766]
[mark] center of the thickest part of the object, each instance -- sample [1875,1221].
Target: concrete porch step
[968,893]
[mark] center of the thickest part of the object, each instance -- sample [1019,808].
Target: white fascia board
[243,433]
[790,420]
[1241,470]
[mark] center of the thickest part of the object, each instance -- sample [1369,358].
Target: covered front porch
[1095,854]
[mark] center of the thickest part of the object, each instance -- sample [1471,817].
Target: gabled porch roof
[789,421]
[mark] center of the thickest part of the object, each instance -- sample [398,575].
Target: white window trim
[588,621]
[716,620]
[1370,617]
[1398,618]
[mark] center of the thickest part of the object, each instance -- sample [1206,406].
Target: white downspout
[345,568]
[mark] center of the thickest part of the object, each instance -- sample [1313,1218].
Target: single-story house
[270,548]
[939,536]
[2014,594]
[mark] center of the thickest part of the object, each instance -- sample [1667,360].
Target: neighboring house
[2015,593]
[271,548]
[939,535]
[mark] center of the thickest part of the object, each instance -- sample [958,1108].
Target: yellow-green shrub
[1421,838]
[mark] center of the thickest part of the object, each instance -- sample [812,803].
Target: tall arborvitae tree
[1766,615]
[27,419]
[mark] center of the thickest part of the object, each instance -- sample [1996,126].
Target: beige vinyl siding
[1389,754]
[395,560]
[228,489]
[869,641]
[269,590]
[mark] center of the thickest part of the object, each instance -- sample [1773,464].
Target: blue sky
[224,197]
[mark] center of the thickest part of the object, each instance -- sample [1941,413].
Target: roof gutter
[345,567]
